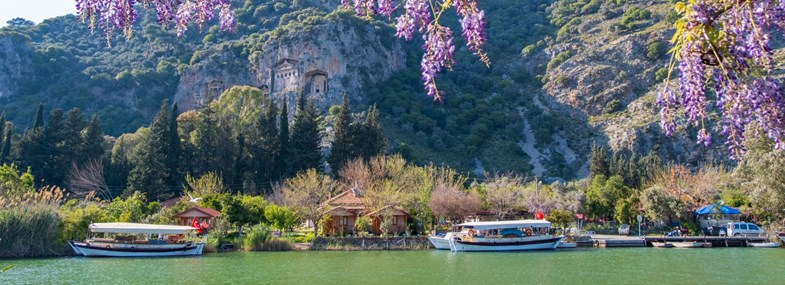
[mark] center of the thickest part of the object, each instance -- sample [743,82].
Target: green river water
[581,266]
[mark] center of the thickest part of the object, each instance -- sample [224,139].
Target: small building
[202,215]
[346,207]
[397,219]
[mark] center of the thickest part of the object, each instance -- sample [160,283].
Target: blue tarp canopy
[711,209]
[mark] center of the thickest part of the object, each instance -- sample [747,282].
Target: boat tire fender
[543,231]
[529,232]
[108,246]
[471,233]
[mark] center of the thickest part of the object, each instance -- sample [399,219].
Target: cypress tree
[343,147]
[306,137]
[5,152]
[598,161]
[283,141]
[205,146]
[172,148]
[264,152]
[39,117]
[239,161]
[374,140]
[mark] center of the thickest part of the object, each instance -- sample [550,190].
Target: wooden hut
[201,214]
[397,218]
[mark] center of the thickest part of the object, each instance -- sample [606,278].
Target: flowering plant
[726,43]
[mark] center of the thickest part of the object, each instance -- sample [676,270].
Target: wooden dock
[708,241]
[715,241]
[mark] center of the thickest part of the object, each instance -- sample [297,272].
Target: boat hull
[539,243]
[687,244]
[764,245]
[125,250]
[442,243]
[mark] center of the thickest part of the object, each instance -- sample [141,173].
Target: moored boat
[687,244]
[764,244]
[661,244]
[441,240]
[504,236]
[137,240]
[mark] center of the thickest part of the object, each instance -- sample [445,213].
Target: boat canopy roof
[133,228]
[506,224]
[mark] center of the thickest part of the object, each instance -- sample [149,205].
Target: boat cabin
[506,229]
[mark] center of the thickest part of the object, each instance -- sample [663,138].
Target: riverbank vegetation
[271,180]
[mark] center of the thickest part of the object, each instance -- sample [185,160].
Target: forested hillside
[564,75]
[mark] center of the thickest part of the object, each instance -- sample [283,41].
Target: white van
[743,229]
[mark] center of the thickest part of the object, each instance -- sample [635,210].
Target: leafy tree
[306,137]
[20,22]
[626,210]
[73,143]
[560,218]
[13,183]
[659,206]
[305,194]
[603,194]
[454,204]
[763,172]
[504,194]
[132,209]
[281,218]
[363,225]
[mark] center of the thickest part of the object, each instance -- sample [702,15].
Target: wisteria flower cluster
[423,16]
[724,44]
[114,15]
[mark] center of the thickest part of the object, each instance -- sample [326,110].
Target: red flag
[539,215]
[579,216]
[195,224]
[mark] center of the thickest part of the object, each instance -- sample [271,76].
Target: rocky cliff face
[330,58]
[14,64]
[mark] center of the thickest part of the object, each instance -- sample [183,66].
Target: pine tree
[306,137]
[373,137]
[283,141]
[150,174]
[39,117]
[343,146]
[93,141]
[73,144]
[56,159]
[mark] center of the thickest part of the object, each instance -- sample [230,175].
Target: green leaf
[680,7]
[7,268]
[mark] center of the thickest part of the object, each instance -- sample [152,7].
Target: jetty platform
[645,241]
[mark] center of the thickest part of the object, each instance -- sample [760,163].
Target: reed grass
[30,224]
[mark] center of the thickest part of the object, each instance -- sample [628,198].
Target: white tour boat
[504,236]
[441,240]
[137,240]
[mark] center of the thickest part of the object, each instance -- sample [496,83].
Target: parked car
[624,229]
[743,229]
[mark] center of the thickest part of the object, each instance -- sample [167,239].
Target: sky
[35,10]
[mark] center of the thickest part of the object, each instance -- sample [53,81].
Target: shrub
[362,225]
[655,50]
[613,106]
[256,237]
[661,74]
[559,59]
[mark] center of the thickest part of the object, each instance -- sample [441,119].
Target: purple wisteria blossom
[740,60]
